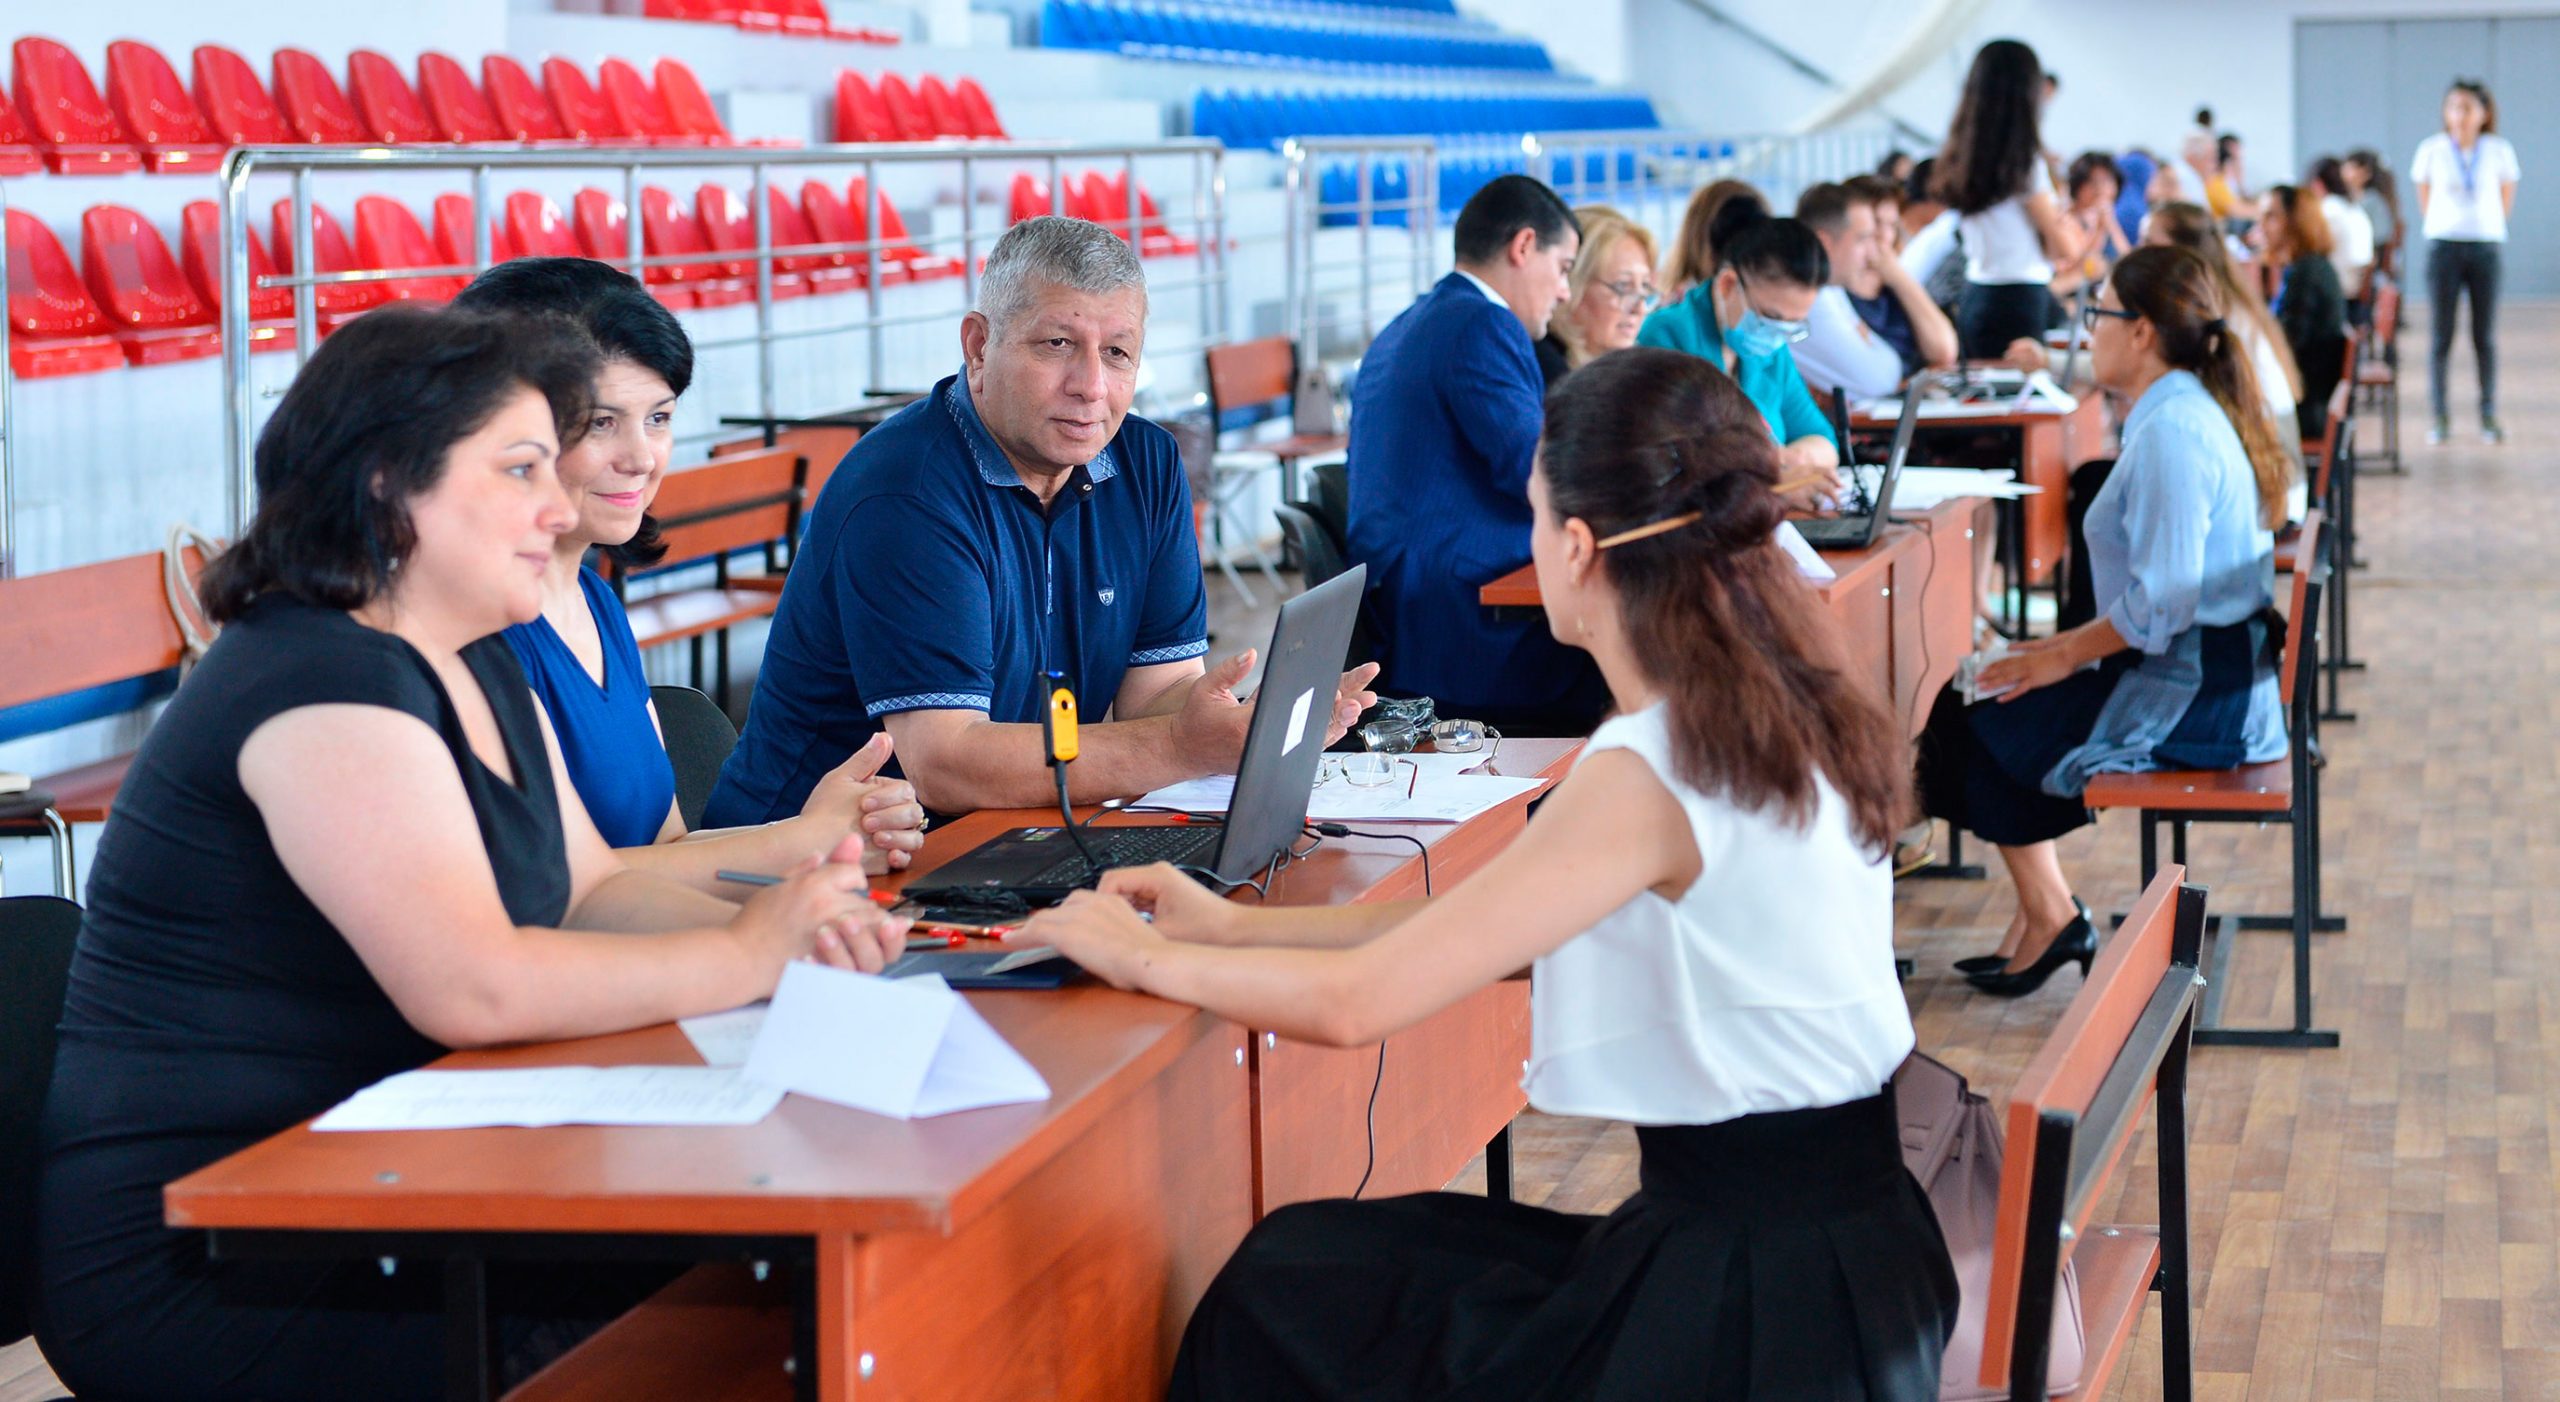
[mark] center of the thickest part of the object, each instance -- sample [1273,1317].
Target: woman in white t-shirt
[1993,175]
[2466,177]
[1706,909]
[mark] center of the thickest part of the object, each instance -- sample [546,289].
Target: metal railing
[1206,226]
[8,408]
[1408,226]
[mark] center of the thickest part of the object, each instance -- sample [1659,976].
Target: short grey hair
[1060,252]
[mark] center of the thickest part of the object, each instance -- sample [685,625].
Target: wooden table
[1904,604]
[1078,1232]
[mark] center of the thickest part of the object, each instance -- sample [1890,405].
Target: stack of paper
[556,1095]
[1433,790]
[1920,488]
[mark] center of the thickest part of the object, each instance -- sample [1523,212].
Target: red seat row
[1104,199]
[930,110]
[129,301]
[808,17]
[147,118]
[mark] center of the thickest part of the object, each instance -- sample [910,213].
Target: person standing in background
[2466,176]
[1993,176]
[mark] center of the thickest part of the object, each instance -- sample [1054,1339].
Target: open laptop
[1855,528]
[1301,671]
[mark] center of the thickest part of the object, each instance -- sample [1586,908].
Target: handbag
[195,631]
[1314,406]
[1951,1142]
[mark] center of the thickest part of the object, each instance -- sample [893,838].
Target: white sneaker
[2438,432]
[2491,433]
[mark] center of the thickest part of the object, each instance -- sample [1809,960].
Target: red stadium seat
[906,111]
[697,11]
[337,303]
[314,103]
[1155,240]
[604,233]
[54,329]
[893,231]
[234,99]
[200,250]
[154,106]
[142,291]
[524,111]
[389,236]
[635,105]
[535,228]
[1030,199]
[1085,201]
[804,17]
[727,226]
[941,108]
[18,154]
[689,108]
[833,221]
[582,109]
[860,117]
[462,115]
[980,112]
[453,233]
[827,272]
[668,230]
[389,108]
[74,128]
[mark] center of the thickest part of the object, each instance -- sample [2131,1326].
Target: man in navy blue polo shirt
[1014,522]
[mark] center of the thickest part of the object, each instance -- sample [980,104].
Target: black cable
[1374,1082]
[1338,830]
[1067,812]
[1379,1077]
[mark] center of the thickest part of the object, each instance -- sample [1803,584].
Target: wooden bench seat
[690,613]
[2117,1267]
[87,794]
[740,502]
[715,1334]
[2252,788]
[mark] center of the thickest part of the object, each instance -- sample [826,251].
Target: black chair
[36,936]
[1322,554]
[699,736]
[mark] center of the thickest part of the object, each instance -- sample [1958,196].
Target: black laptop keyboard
[1127,847]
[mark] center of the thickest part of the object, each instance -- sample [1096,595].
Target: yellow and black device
[1058,721]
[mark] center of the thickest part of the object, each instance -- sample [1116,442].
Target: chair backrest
[2073,1113]
[1248,378]
[728,225]
[791,228]
[583,113]
[454,212]
[2294,676]
[537,229]
[235,100]
[2386,311]
[668,229]
[1030,198]
[822,448]
[148,98]
[62,107]
[314,103]
[634,103]
[46,296]
[200,237]
[980,111]
[941,107]
[388,235]
[688,106]
[2341,426]
[893,225]
[92,625]
[906,112]
[523,110]
[390,109]
[130,272]
[729,504]
[603,224]
[699,736]
[459,109]
[18,155]
[37,935]
[330,253]
[860,117]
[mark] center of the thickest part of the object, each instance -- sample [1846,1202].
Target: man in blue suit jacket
[1445,417]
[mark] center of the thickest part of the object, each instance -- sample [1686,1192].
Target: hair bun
[1729,477]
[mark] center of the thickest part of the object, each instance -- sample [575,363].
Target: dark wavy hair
[626,322]
[2480,91]
[1767,250]
[365,430]
[1992,145]
[1757,680]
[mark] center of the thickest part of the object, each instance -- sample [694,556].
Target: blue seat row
[1251,119]
[1210,34]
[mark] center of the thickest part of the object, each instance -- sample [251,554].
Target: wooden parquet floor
[2379,1221]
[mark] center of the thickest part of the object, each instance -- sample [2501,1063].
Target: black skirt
[1774,1256]
[1993,315]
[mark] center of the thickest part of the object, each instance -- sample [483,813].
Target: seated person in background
[1693,258]
[2350,228]
[349,844]
[1718,970]
[2165,188]
[1612,282]
[580,654]
[2367,183]
[2134,172]
[1444,420]
[1745,321]
[1929,247]
[1885,198]
[1864,333]
[2308,304]
[2191,227]
[2182,554]
[1014,522]
[2226,190]
[2090,188]
[1896,166]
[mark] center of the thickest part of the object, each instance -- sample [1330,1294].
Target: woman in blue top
[1743,320]
[2176,670]
[581,656]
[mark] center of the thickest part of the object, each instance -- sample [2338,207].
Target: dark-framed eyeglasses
[2089,315]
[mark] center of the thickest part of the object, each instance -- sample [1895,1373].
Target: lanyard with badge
[2469,165]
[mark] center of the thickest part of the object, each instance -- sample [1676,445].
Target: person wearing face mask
[1848,346]
[1612,282]
[1015,522]
[580,654]
[1745,321]
[1444,423]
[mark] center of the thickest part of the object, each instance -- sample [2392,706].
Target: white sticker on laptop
[1298,720]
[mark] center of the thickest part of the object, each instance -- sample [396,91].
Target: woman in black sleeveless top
[346,847]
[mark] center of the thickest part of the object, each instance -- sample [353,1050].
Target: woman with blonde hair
[1612,288]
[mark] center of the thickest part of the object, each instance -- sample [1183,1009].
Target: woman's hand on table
[885,812]
[1181,908]
[822,910]
[1103,934]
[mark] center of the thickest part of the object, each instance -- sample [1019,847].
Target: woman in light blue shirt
[2177,670]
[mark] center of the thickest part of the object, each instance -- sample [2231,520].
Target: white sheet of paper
[725,1038]
[1808,563]
[555,1095]
[907,1048]
[1441,794]
[1919,489]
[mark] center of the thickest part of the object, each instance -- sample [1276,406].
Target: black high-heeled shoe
[2076,944]
[1994,963]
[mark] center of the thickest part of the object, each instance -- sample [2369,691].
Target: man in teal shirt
[1743,319]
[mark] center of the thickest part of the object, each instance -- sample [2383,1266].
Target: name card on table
[908,1048]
